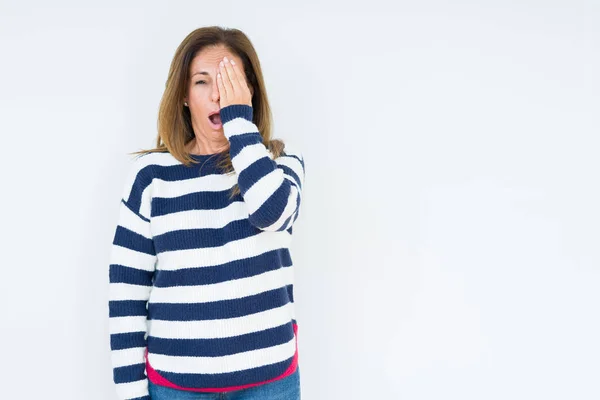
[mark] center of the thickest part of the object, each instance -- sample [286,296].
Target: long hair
[174,119]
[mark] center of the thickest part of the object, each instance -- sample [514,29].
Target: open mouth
[215,120]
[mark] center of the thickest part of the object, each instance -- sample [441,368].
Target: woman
[201,277]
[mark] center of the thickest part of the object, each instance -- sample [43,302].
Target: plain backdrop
[448,243]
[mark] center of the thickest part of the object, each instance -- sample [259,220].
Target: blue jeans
[287,388]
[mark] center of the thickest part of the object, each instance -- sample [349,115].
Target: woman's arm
[272,189]
[132,265]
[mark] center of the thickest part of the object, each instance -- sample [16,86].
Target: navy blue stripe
[237,378]
[287,220]
[129,340]
[129,373]
[239,141]
[294,184]
[233,111]
[133,240]
[288,171]
[126,308]
[294,214]
[290,289]
[297,210]
[221,309]
[254,172]
[123,274]
[179,172]
[142,180]
[222,346]
[286,154]
[192,201]
[236,269]
[204,237]
[272,209]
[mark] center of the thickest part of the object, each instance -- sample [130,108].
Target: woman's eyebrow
[201,73]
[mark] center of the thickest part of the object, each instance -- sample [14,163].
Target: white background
[448,246]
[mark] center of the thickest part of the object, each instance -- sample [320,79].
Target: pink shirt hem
[158,379]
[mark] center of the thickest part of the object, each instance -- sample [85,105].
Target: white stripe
[238,126]
[291,179]
[206,183]
[126,291]
[131,258]
[233,250]
[132,390]
[220,328]
[163,159]
[224,364]
[248,155]
[258,193]
[127,324]
[292,220]
[126,357]
[138,163]
[199,219]
[128,219]
[146,202]
[234,289]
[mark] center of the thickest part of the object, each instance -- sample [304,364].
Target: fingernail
[232,62]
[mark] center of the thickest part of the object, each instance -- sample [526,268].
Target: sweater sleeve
[272,189]
[132,265]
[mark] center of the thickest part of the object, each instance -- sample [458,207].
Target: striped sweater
[201,285]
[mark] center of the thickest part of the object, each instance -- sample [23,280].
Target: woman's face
[203,92]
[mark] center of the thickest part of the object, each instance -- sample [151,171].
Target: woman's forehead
[211,57]
[207,62]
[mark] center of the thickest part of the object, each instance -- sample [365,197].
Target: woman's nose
[215,92]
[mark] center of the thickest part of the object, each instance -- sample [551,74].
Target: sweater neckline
[204,157]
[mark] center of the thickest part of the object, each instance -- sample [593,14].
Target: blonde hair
[174,119]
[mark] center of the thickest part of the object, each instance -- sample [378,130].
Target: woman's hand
[233,88]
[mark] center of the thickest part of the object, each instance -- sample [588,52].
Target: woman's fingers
[233,78]
[226,80]
[233,82]
[236,75]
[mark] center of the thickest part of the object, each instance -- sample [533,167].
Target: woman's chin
[213,130]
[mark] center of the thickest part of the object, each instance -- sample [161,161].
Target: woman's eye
[200,82]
